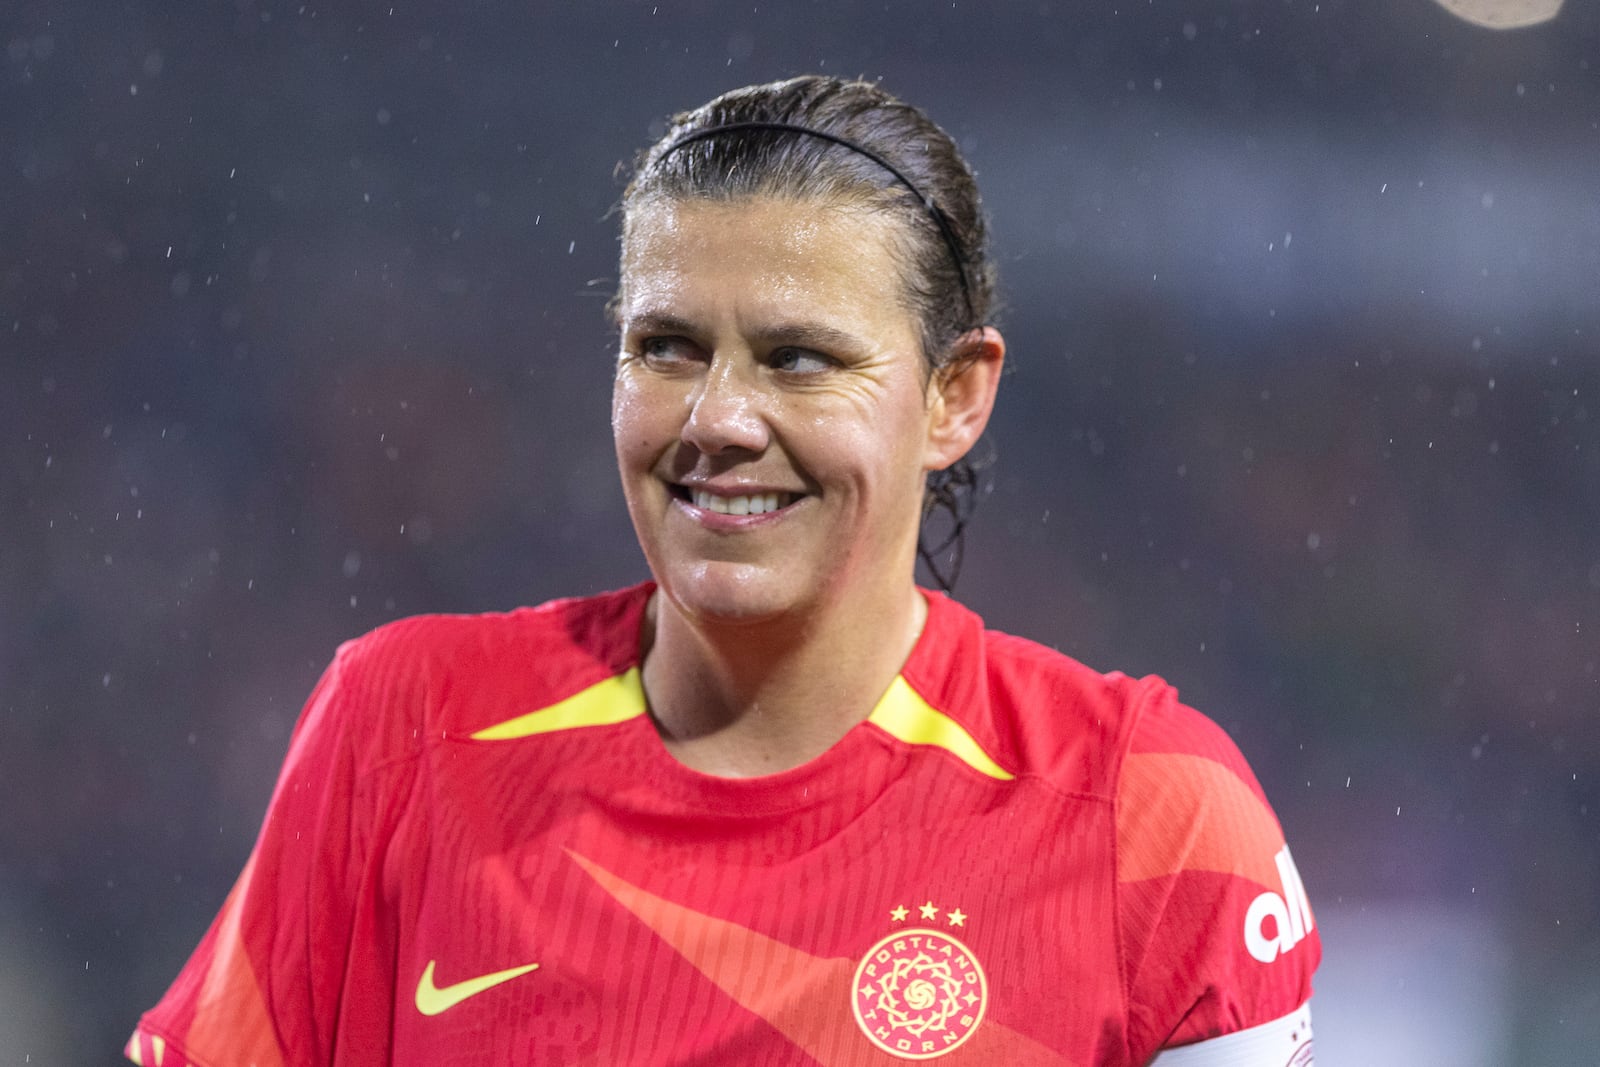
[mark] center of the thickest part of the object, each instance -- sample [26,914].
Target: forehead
[825,257]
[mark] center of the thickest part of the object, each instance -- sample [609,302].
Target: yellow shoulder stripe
[905,715]
[617,699]
[133,1049]
[901,713]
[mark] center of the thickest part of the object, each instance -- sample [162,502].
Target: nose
[727,411]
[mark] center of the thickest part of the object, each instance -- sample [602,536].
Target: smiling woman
[792,371]
[777,804]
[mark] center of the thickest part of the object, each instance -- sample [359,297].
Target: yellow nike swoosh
[431,1000]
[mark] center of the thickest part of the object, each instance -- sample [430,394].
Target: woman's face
[771,409]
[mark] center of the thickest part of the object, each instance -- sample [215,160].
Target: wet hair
[827,139]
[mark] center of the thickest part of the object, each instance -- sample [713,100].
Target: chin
[730,593]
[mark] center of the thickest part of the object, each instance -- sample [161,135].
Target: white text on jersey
[1291,914]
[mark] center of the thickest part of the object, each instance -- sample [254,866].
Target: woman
[779,805]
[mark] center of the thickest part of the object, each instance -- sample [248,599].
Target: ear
[961,396]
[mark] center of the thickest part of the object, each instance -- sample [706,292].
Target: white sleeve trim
[1284,1042]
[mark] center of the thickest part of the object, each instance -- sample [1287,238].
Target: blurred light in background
[1503,14]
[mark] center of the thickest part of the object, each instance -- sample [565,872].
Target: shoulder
[431,676]
[1038,711]
[1187,800]
[601,629]
[1105,733]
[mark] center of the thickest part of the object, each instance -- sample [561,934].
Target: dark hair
[863,144]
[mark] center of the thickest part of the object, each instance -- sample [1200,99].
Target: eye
[668,349]
[799,361]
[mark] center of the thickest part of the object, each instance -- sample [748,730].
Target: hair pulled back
[947,275]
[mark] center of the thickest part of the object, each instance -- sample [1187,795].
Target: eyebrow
[799,334]
[809,335]
[657,322]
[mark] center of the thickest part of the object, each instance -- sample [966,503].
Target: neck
[745,699]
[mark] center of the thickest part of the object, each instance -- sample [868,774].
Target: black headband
[927,201]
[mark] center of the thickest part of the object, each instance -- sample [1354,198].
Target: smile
[746,504]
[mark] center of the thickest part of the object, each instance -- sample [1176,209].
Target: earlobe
[964,391]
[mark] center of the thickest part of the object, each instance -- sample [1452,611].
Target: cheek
[640,422]
[880,449]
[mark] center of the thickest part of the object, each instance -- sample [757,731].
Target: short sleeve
[271,975]
[1217,933]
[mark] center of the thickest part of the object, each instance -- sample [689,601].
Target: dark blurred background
[302,329]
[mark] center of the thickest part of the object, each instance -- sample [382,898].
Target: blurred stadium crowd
[302,329]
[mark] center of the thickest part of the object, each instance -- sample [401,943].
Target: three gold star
[954,916]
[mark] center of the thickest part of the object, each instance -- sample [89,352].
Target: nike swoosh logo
[431,1000]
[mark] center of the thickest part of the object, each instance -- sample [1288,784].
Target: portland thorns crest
[920,993]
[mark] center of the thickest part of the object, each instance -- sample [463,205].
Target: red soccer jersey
[479,852]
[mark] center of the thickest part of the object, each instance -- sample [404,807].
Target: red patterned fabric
[479,852]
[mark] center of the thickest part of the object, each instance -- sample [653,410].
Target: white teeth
[754,504]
